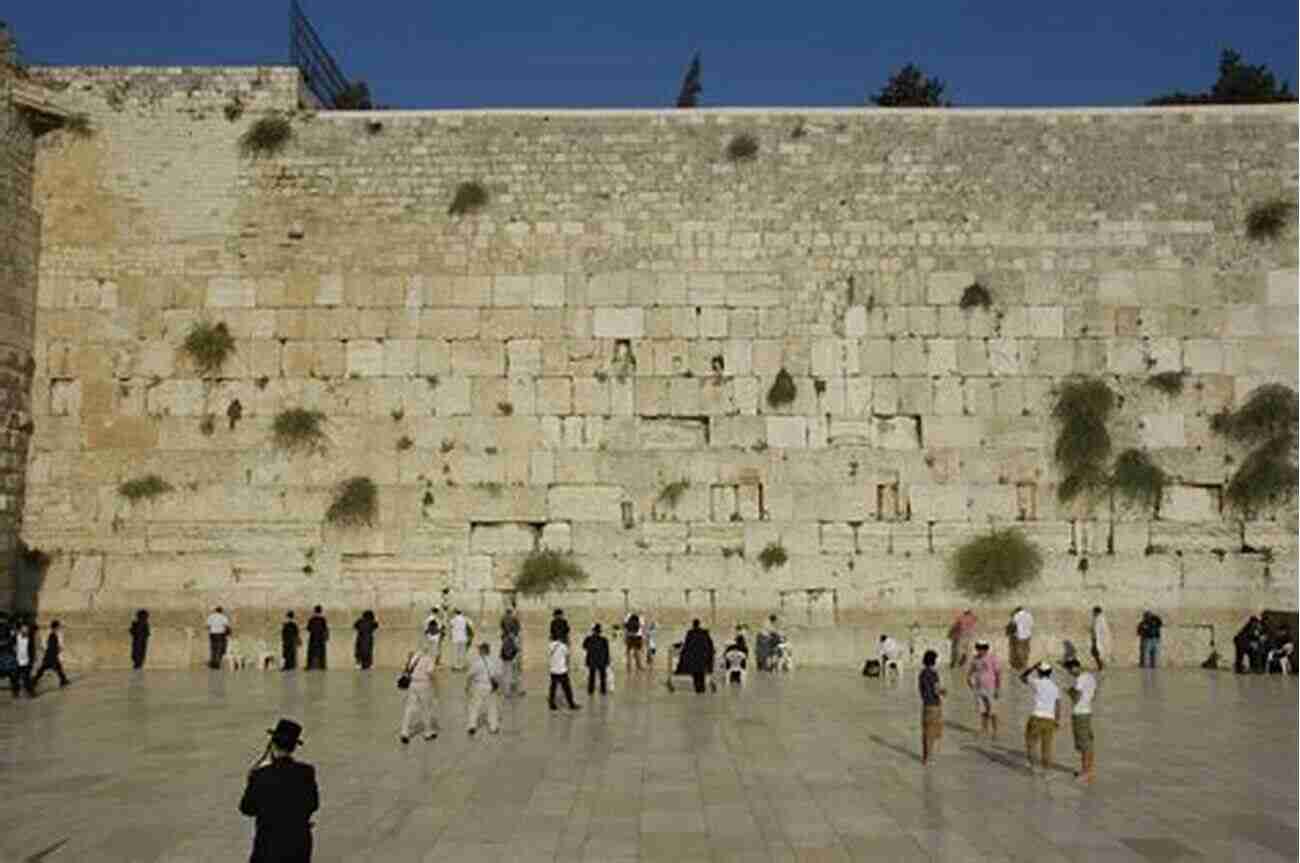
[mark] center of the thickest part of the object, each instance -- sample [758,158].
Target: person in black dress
[51,659]
[139,638]
[282,795]
[289,642]
[697,655]
[318,632]
[365,646]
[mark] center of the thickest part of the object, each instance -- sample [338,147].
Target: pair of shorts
[984,701]
[1081,724]
[932,721]
[634,642]
[1038,727]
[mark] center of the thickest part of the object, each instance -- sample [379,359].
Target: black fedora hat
[287,734]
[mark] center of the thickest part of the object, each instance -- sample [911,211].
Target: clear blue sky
[624,53]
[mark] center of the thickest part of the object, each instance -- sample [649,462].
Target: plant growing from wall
[672,493]
[976,296]
[1267,424]
[404,443]
[547,570]
[298,429]
[1083,406]
[1266,221]
[144,488]
[78,125]
[1169,383]
[742,147]
[994,564]
[356,501]
[772,556]
[267,136]
[208,345]
[782,391]
[470,197]
[1138,480]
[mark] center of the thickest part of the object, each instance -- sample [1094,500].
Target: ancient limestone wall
[19,229]
[534,375]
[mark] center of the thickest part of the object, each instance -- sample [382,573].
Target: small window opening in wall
[1026,501]
[890,505]
[628,520]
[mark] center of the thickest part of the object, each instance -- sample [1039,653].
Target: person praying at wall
[290,639]
[318,633]
[139,638]
[365,646]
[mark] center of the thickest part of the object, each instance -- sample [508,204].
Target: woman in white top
[420,705]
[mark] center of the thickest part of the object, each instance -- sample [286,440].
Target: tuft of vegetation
[78,125]
[1266,221]
[772,556]
[144,488]
[470,197]
[505,408]
[298,429]
[267,136]
[234,109]
[1169,383]
[1083,444]
[783,390]
[208,425]
[547,570]
[976,296]
[672,493]
[1267,423]
[1238,84]
[355,503]
[1139,480]
[1270,412]
[404,443]
[995,564]
[1267,477]
[208,345]
[742,148]
[354,97]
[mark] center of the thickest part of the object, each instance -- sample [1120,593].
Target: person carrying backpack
[512,662]
[1148,631]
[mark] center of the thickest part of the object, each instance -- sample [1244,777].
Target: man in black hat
[281,795]
[318,632]
[289,641]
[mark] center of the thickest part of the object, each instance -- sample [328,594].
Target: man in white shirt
[421,703]
[1100,638]
[1083,692]
[481,685]
[1046,715]
[21,679]
[890,650]
[1020,630]
[557,654]
[460,631]
[218,636]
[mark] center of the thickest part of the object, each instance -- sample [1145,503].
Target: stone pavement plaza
[819,765]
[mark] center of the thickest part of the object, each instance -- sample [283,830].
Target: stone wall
[535,374]
[19,230]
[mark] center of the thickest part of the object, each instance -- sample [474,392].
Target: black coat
[282,797]
[53,647]
[365,645]
[289,637]
[139,631]
[597,647]
[697,653]
[318,631]
[559,629]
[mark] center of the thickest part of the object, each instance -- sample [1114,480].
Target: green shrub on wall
[545,571]
[773,555]
[1169,383]
[144,488]
[1267,221]
[672,493]
[1083,407]
[1267,424]
[995,564]
[742,148]
[783,390]
[355,503]
[470,197]
[1138,480]
[298,429]
[976,296]
[208,345]
[266,136]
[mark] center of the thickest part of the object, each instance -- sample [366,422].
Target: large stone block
[584,503]
[619,323]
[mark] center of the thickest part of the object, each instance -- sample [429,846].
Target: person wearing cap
[281,795]
[1082,692]
[985,680]
[421,703]
[1040,729]
[1019,632]
[218,637]
[889,653]
[931,705]
[461,634]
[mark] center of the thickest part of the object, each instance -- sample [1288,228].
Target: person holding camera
[482,680]
[282,795]
[420,703]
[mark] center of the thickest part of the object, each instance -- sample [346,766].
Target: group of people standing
[18,651]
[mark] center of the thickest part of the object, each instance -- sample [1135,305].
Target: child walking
[1082,693]
[931,705]
[985,680]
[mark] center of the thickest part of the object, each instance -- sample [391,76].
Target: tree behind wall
[1239,84]
[688,96]
[909,87]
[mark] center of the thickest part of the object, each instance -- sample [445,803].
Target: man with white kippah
[1046,716]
